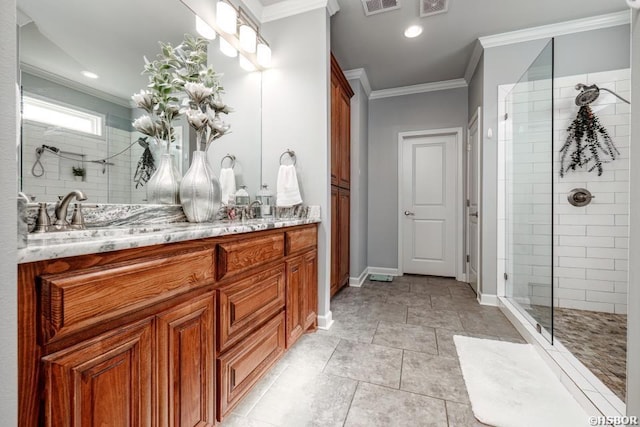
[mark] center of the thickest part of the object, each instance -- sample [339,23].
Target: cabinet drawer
[299,240]
[235,257]
[246,304]
[241,367]
[75,300]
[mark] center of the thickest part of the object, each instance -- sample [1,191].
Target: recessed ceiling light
[89,74]
[413,31]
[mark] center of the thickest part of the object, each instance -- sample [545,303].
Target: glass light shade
[246,65]
[226,17]
[247,39]
[264,55]
[227,49]
[204,29]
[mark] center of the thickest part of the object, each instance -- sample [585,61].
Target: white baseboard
[380,270]
[486,299]
[325,322]
[357,282]
[462,278]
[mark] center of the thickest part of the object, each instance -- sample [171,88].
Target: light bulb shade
[226,17]
[264,55]
[247,39]
[246,65]
[227,49]
[204,29]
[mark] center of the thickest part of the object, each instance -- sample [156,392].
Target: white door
[473,191]
[429,172]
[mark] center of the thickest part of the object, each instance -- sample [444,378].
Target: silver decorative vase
[200,190]
[164,185]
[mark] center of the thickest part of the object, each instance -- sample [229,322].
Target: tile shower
[566,266]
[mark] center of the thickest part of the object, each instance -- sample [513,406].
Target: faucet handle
[77,219]
[43,222]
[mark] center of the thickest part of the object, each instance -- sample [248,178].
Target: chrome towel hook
[230,157]
[292,155]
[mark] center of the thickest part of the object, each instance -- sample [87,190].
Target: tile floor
[389,360]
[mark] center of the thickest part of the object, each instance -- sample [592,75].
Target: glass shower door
[528,193]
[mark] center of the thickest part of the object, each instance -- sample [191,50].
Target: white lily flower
[144,100]
[145,125]
[197,92]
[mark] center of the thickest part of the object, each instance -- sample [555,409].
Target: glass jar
[265,196]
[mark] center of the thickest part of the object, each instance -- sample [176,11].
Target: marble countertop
[81,242]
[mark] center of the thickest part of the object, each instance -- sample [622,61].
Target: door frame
[460,232]
[476,118]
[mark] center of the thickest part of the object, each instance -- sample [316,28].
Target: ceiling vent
[433,7]
[371,7]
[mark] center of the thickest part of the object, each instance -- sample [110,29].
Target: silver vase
[164,185]
[200,190]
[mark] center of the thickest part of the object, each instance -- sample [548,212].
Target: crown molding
[474,60]
[421,88]
[39,72]
[557,29]
[361,75]
[254,7]
[295,7]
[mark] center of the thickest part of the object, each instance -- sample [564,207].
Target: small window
[46,112]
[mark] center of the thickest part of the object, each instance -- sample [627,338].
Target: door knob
[474,214]
[407,213]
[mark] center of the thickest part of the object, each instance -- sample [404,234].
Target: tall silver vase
[164,185]
[200,190]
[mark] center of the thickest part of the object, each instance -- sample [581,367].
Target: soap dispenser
[265,196]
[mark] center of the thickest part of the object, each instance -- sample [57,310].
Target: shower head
[587,95]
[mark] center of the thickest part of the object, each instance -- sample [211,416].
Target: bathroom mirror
[80,63]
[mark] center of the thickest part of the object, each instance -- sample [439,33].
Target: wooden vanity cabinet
[168,335]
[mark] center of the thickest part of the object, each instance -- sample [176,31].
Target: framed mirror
[80,63]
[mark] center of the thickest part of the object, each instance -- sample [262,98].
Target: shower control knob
[580,197]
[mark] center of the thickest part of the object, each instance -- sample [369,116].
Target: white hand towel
[227,184]
[288,192]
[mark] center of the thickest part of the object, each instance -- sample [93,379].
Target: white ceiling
[377,44]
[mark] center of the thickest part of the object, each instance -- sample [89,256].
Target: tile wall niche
[590,244]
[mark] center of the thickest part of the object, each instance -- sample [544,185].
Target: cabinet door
[345,140]
[310,309]
[335,130]
[295,299]
[344,211]
[105,381]
[186,377]
[335,240]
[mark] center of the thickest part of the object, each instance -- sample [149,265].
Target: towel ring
[292,155]
[230,157]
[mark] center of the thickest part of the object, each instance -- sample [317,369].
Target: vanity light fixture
[413,31]
[246,65]
[226,17]
[227,48]
[264,54]
[248,38]
[89,74]
[204,29]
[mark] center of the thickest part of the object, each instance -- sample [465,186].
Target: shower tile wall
[590,243]
[58,178]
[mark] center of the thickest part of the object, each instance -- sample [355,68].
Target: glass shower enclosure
[527,140]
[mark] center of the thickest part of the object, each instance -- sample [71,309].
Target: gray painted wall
[505,64]
[388,117]
[476,87]
[118,116]
[295,115]
[8,229]
[633,319]
[359,179]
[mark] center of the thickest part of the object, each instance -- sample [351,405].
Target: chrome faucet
[248,211]
[62,207]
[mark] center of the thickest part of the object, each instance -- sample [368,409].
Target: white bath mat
[511,386]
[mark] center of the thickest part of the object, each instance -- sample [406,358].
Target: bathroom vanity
[139,332]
